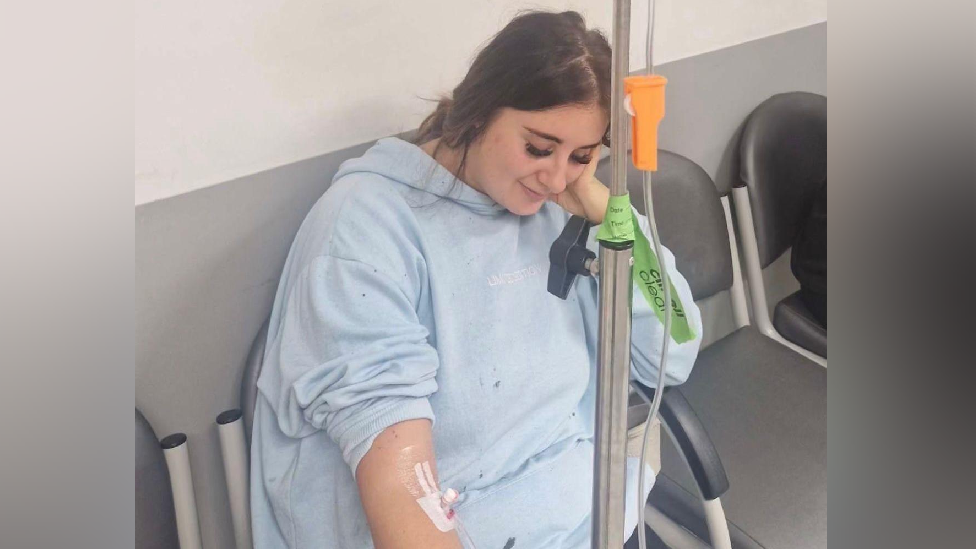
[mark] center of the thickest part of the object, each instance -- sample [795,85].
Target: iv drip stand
[616,288]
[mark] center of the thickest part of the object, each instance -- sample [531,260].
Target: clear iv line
[652,225]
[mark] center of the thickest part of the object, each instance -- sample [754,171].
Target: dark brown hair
[539,61]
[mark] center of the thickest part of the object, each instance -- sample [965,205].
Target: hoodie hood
[406,163]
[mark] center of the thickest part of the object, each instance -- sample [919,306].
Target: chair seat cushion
[794,321]
[765,408]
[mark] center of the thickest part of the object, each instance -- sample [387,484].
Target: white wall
[225,89]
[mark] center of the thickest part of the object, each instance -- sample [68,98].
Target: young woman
[413,346]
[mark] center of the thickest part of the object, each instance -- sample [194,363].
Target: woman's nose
[554,178]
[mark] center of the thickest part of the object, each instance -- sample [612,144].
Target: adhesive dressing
[406,460]
[416,476]
[433,502]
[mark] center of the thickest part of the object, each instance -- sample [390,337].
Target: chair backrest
[155,514]
[783,162]
[252,370]
[690,219]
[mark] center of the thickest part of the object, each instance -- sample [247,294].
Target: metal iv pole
[641,97]
[616,289]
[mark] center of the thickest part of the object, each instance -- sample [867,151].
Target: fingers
[594,161]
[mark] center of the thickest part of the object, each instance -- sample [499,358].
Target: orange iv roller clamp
[646,98]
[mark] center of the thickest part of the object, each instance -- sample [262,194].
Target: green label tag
[620,225]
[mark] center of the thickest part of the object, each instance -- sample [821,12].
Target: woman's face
[525,157]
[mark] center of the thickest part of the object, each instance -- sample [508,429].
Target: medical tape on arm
[419,481]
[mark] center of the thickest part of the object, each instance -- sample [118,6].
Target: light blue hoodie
[408,294]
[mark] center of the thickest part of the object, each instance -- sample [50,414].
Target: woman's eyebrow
[556,139]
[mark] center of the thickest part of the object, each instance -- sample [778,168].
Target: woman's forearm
[398,487]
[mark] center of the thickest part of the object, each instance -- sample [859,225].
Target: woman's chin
[525,208]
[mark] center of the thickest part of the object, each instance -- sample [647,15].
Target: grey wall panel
[709,96]
[207,266]
[207,262]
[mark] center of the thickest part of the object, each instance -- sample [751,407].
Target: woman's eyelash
[536,152]
[539,153]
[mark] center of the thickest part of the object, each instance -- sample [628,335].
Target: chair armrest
[692,441]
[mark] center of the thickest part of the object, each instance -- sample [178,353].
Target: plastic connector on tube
[646,99]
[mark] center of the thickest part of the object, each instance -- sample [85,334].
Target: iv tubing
[662,367]
[659,391]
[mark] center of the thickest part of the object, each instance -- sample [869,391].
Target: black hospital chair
[782,165]
[762,405]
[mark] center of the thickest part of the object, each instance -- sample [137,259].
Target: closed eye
[536,152]
[541,153]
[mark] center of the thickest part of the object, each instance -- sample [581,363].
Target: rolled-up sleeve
[353,356]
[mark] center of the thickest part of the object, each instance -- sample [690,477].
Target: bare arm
[391,478]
